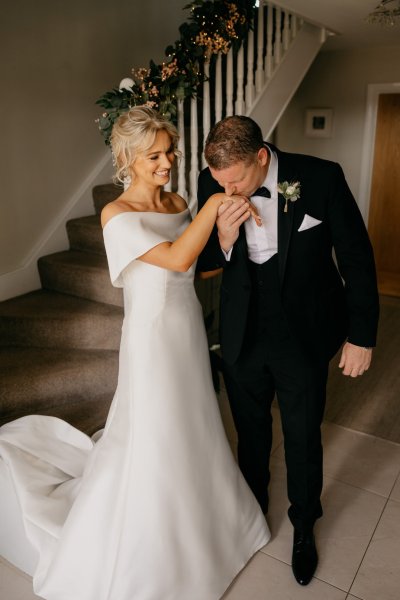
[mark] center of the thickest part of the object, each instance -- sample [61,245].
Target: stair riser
[103,194]
[50,392]
[86,239]
[102,333]
[90,283]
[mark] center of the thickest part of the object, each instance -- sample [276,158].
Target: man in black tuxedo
[285,307]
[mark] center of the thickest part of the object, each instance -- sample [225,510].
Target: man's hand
[355,360]
[231,215]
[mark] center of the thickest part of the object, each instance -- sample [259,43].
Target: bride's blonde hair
[133,133]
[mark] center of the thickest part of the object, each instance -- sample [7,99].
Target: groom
[286,308]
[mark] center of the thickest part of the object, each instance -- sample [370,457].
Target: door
[384,212]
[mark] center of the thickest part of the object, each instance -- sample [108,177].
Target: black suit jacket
[324,304]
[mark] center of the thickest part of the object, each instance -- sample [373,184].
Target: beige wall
[57,58]
[338,80]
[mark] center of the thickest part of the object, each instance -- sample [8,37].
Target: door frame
[367,157]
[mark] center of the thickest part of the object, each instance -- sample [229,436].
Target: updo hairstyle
[133,133]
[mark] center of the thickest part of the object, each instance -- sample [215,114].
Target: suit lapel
[285,219]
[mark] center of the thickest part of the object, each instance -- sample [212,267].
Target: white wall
[57,58]
[338,80]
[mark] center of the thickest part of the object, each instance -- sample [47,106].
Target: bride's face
[154,165]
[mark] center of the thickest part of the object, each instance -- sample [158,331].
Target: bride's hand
[225,199]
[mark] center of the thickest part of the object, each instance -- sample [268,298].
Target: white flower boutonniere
[290,191]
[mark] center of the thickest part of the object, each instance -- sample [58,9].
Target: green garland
[213,27]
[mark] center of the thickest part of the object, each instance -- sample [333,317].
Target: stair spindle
[181,147]
[260,48]
[194,159]
[270,29]
[286,31]
[229,83]
[239,82]
[294,26]
[206,107]
[277,45]
[249,90]
[218,88]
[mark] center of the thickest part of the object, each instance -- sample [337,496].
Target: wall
[338,80]
[58,58]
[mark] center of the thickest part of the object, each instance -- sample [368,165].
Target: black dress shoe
[304,557]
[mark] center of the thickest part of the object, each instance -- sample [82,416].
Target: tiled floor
[358,538]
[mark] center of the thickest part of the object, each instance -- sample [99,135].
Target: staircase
[59,345]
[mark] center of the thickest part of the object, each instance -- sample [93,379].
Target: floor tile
[15,585]
[379,574]
[350,517]
[15,569]
[395,495]
[362,460]
[266,577]
[358,459]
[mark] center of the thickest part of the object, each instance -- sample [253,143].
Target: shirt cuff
[227,255]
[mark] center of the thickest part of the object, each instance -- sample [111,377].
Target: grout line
[394,485]
[363,433]
[357,487]
[369,543]
[317,578]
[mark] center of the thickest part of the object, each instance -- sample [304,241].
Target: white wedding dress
[157,508]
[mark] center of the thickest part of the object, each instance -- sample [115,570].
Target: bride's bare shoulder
[113,208]
[178,202]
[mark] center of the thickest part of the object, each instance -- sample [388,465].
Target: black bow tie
[262,191]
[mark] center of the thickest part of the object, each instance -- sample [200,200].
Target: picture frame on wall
[318,122]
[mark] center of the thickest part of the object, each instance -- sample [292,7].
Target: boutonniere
[290,191]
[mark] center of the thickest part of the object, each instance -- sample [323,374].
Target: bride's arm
[181,254]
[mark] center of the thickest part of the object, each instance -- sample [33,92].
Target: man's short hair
[232,140]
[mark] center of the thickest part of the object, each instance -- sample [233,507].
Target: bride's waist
[159,295]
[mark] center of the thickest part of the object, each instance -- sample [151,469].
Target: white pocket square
[308,222]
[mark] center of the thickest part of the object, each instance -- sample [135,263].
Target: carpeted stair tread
[53,381]
[59,345]
[49,319]
[105,193]
[85,233]
[81,274]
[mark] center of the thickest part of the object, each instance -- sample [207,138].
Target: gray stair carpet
[59,345]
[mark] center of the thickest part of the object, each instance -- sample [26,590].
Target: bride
[157,508]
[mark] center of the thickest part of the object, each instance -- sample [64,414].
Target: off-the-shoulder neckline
[144,212]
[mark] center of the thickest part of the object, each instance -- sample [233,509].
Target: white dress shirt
[262,242]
